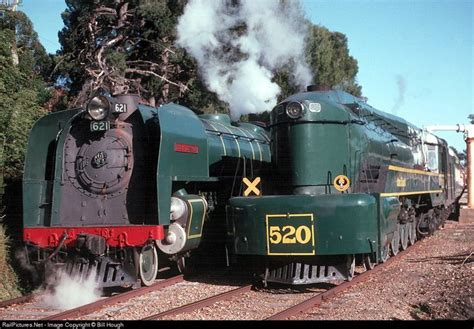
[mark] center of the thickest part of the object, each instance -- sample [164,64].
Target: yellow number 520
[289,234]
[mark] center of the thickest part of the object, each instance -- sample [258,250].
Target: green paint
[37,189]
[343,223]
[178,125]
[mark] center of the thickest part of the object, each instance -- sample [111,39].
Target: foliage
[328,56]
[8,279]
[24,64]
[462,156]
[126,47]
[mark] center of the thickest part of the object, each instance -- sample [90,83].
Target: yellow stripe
[413,171]
[250,142]
[290,254]
[409,193]
[230,131]
[191,217]
[220,136]
[259,148]
[258,144]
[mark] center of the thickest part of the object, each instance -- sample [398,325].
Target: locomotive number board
[290,234]
[100,125]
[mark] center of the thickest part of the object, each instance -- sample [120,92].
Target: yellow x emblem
[251,186]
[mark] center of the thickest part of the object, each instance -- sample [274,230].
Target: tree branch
[146,72]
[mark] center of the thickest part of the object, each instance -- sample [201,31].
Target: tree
[332,65]
[328,56]
[462,156]
[471,118]
[24,65]
[125,47]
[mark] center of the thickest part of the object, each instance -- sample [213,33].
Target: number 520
[289,234]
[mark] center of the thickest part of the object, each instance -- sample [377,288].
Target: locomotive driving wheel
[184,265]
[412,232]
[369,262]
[350,267]
[404,236]
[148,264]
[395,244]
[385,254]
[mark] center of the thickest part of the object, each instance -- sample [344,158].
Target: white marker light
[294,110]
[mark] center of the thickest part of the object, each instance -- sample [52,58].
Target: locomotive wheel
[395,244]
[421,223]
[184,265]
[148,264]
[181,264]
[350,267]
[369,262]
[404,236]
[432,226]
[385,254]
[412,232]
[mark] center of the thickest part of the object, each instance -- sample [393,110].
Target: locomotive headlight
[294,110]
[98,108]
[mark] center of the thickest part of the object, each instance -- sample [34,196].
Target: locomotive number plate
[100,125]
[120,108]
[290,234]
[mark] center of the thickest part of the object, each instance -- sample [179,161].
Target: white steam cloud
[238,46]
[68,292]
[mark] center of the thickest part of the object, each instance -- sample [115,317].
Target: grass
[8,279]
[421,311]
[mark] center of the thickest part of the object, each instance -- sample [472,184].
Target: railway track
[201,303]
[243,295]
[18,300]
[26,305]
[315,301]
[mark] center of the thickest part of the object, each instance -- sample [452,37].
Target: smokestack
[317,88]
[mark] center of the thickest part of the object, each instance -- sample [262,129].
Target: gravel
[162,300]
[433,282]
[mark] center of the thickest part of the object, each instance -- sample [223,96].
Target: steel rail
[200,303]
[18,300]
[92,307]
[315,301]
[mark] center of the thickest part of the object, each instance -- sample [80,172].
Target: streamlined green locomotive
[351,184]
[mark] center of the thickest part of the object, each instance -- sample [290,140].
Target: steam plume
[401,83]
[237,48]
[67,292]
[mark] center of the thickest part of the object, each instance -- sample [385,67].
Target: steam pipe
[459,128]
[468,131]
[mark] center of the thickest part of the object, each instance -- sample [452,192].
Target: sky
[415,57]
